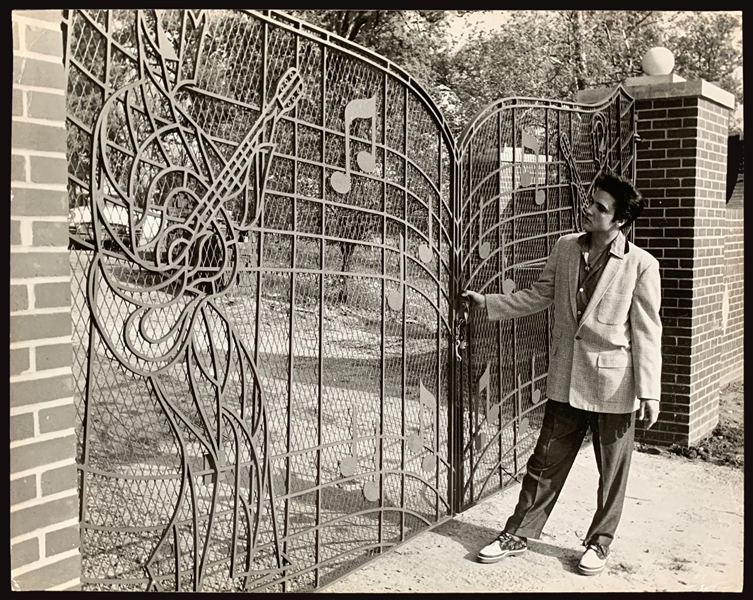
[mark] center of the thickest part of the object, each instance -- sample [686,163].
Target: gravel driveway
[682,530]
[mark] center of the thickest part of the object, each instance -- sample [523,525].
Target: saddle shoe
[594,559]
[503,545]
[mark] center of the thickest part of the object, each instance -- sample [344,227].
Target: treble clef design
[186,217]
[599,135]
[580,194]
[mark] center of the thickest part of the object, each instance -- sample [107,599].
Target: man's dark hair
[629,203]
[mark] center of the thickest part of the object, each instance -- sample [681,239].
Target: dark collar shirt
[592,267]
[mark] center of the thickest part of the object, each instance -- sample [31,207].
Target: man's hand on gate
[649,411]
[477,300]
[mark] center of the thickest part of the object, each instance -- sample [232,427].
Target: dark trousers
[560,439]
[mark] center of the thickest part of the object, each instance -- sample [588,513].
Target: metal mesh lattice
[527,166]
[268,230]
[262,259]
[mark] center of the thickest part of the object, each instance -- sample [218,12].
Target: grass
[725,445]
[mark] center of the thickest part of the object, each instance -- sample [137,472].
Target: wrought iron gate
[527,165]
[267,243]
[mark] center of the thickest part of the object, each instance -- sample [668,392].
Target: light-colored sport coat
[612,357]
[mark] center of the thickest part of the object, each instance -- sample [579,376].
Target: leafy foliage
[550,54]
[704,49]
[413,39]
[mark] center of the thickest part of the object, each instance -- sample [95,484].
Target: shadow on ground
[474,537]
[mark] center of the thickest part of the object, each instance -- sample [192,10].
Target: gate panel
[526,170]
[262,235]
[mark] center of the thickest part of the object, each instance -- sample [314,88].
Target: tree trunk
[579,59]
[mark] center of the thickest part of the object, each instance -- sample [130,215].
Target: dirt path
[682,530]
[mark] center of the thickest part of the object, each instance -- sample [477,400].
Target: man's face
[598,217]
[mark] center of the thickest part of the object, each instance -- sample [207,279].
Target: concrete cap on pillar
[657,65]
[658,81]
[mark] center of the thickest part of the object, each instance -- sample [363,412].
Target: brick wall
[681,169]
[43,481]
[731,361]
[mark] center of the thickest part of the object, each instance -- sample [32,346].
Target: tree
[413,39]
[551,54]
[707,46]
[555,54]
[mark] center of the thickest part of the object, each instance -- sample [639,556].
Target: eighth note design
[360,108]
[484,248]
[424,250]
[416,440]
[371,488]
[526,178]
[349,464]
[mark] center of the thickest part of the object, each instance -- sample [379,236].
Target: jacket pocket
[613,360]
[615,377]
[613,309]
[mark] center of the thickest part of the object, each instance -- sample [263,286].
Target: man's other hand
[477,300]
[649,411]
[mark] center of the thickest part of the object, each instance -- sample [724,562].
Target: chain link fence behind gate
[261,247]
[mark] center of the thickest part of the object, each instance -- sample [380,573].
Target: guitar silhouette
[177,240]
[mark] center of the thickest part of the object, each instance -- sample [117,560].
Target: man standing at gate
[604,366]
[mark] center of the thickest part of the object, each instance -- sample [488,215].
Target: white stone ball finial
[658,61]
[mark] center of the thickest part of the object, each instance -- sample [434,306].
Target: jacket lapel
[613,266]
[574,265]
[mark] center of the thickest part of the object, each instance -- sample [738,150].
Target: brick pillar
[733,303]
[43,480]
[681,170]
[733,306]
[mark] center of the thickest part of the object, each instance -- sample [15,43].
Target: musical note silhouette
[522,423]
[349,464]
[508,285]
[360,108]
[530,142]
[599,142]
[424,250]
[535,393]
[428,463]
[484,248]
[395,297]
[166,48]
[371,488]
[416,440]
[492,411]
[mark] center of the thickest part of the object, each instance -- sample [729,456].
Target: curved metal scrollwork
[528,169]
[275,374]
[166,272]
[268,265]
[600,150]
